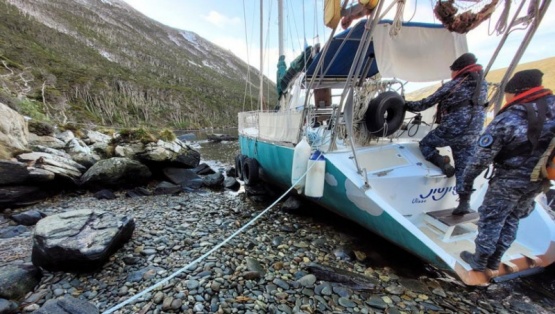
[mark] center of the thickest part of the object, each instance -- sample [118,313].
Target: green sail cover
[295,67]
[281,68]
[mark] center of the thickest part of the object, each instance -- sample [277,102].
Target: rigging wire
[266,55]
[248,86]
[414,13]
[501,26]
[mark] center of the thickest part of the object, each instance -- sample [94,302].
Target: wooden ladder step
[445,222]
[450,220]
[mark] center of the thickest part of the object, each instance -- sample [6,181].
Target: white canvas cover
[417,53]
[280,126]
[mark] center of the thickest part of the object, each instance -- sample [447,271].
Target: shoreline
[172,231]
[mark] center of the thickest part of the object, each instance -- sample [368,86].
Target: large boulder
[13,172]
[81,153]
[13,129]
[48,141]
[170,154]
[93,137]
[66,169]
[23,195]
[115,173]
[17,280]
[186,178]
[80,240]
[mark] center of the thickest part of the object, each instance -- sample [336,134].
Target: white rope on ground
[215,248]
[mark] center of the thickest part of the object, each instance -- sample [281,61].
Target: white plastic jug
[300,161]
[315,177]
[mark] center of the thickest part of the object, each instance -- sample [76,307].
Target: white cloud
[220,20]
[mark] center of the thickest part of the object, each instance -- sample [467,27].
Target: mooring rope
[215,248]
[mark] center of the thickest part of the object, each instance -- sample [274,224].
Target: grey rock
[192,284]
[255,266]
[80,240]
[7,307]
[377,302]
[67,304]
[17,280]
[165,187]
[215,180]
[105,195]
[345,302]
[307,280]
[21,195]
[28,218]
[291,204]
[12,231]
[115,173]
[14,173]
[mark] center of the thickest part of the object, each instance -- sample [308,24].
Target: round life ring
[385,114]
[239,166]
[250,171]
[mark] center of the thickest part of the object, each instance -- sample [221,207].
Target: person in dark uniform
[514,142]
[460,115]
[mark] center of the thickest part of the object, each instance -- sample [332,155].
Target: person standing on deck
[460,115]
[514,142]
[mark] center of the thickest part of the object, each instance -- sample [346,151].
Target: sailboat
[342,138]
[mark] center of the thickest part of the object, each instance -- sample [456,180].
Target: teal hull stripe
[279,160]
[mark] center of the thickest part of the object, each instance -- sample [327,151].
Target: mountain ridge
[104,62]
[547,66]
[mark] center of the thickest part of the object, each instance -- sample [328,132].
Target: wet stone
[345,302]
[414,285]
[280,283]
[307,280]
[377,303]
[395,289]
[192,284]
[342,291]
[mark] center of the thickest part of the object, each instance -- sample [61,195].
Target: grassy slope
[52,75]
[547,66]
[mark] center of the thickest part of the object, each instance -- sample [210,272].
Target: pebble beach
[262,269]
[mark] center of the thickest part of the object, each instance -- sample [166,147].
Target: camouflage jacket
[502,142]
[458,114]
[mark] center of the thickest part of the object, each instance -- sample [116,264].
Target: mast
[261,89]
[280,26]
[281,66]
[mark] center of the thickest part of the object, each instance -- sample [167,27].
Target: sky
[234,25]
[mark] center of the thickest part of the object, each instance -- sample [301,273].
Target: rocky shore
[265,269]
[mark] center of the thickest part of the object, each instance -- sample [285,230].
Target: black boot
[464,205]
[494,260]
[443,162]
[477,261]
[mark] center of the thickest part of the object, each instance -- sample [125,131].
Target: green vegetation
[135,135]
[114,73]
[76,130]
[40,128]
[167,135]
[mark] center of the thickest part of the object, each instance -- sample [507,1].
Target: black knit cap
[463,61]
[523,81]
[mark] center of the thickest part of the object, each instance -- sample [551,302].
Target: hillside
[102,62]
[547,66]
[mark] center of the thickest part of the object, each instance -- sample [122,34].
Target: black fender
[239,166]
[387,108]
[250,171]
